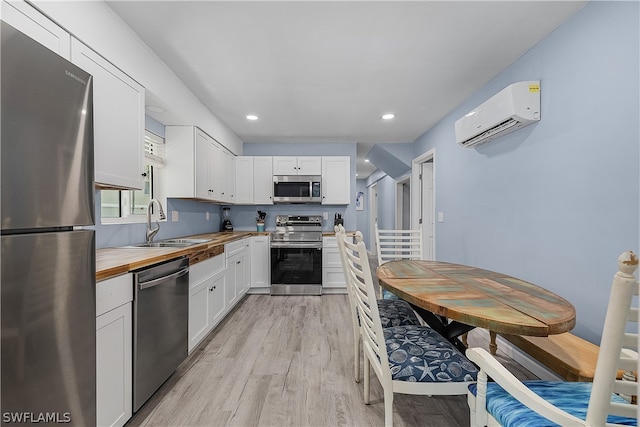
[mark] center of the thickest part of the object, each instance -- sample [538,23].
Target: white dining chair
[508,402]
[393,245]
[392,312]
[411,359]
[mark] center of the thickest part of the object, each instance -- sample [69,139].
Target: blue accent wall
[556,202]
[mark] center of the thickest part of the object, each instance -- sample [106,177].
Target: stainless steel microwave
[297,189]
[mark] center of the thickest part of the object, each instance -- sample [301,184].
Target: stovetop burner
[297,228]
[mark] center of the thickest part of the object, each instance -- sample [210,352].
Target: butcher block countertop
[111,262]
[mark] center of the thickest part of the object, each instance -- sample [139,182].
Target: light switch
[440,216]
[325,215]
[207,216]
[175,216]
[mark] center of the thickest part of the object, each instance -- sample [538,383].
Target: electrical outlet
[325,215]
[440,216]
[175,216]
[207,216]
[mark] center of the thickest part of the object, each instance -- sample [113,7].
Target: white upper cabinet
[253,180]
[228,169]
[263,180]
[204,153]
[25,18]
[196,166]
[244,180]
[336,180]
[118,119]
[290,165]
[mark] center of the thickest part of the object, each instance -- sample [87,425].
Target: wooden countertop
[111,262]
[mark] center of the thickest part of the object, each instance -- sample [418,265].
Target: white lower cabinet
[332,273]
[260,265]
[114,351]
[206,297]
[237,273]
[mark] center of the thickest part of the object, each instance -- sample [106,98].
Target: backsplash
[192,220]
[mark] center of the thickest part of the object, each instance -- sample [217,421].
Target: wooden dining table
[454,299]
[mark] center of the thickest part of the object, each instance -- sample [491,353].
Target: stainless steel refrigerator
[48,254]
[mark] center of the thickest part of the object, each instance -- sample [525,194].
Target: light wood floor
[287,361]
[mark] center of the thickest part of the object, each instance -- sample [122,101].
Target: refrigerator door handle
[158,281]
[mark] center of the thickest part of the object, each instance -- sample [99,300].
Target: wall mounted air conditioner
[513,108]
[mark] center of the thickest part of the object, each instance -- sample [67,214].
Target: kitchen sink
[160,245]
[170,243]
[186,241]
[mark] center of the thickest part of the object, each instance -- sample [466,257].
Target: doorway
[373,219]
[423,200]
[403,203]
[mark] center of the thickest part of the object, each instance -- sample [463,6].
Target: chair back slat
[622,410]
[618,349]
[630,340]
[395,245]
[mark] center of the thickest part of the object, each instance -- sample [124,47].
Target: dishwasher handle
[156,282]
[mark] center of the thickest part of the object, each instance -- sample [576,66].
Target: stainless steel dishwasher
[160,325]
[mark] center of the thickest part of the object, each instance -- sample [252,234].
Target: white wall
[556,202]
[95,24]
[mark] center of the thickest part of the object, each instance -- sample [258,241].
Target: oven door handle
[296,245]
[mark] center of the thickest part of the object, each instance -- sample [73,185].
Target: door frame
[416,195]
[373,216]
[400,200]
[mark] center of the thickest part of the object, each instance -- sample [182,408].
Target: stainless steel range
[296,255]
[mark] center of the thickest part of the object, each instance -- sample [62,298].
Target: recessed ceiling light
[366,160]
[252,117]
[388,116]
[155,108]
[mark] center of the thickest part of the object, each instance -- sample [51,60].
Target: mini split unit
[513,108]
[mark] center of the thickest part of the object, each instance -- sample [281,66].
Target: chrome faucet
[151,232]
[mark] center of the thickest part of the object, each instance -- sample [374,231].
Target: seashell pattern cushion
[418,353]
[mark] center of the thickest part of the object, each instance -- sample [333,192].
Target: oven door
[296,268]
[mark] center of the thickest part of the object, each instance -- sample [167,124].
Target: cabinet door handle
[238,262]
[144,174]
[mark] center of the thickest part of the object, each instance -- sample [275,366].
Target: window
[128,206]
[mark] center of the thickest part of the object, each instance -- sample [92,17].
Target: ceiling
[326,71]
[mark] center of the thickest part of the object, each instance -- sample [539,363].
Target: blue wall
[556,202]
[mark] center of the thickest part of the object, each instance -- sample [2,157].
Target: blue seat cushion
[389,295]
[418,353]
[396,312]
[571,397]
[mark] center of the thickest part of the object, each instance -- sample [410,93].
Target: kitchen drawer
[329,242]
[113,293]
[230,249]
[204,269]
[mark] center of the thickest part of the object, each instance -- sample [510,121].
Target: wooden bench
[568,355]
